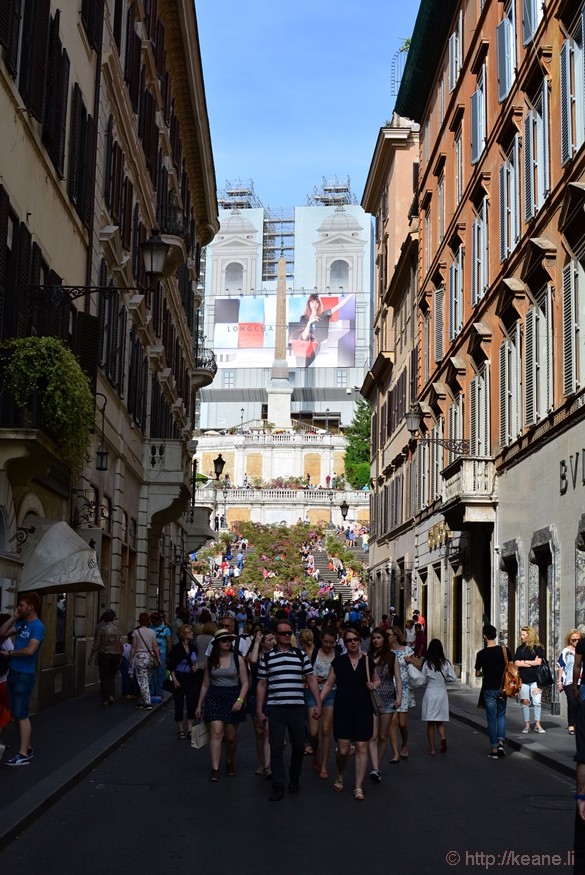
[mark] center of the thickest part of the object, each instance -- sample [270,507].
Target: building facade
[498,517]
[327,247]
[107,148]
[390,384]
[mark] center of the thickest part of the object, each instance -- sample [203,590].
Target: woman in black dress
[353,715]
[182,665]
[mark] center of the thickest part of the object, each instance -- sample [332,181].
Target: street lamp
[218,466]
[330,495]
[413,420]
[327,421]
[344,508]
[154,254]
[241,419]
[101,463]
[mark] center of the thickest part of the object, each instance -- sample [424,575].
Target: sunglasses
[574,639]
[283,632]
[351,640]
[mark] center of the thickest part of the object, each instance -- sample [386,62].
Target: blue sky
[298,89]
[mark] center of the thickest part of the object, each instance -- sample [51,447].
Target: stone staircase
[330,577]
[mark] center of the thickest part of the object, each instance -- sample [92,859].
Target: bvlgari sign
[569,471]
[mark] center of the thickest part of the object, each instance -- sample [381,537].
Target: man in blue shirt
[30,632]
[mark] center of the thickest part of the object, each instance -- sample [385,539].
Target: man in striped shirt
[281,674]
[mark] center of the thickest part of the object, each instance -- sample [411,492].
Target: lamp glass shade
[344,508]
[154,253]
[101,459]
[413,420]
[218,466]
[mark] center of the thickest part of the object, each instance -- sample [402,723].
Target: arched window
[339,275]
[234,277]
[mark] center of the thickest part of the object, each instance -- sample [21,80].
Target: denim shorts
[20,687]
[327,703]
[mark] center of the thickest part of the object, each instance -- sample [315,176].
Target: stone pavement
[71,738]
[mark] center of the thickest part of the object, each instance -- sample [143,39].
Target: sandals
[338,785]
[570,730]
[323,775]
[182,734]
[358,794]
[443,745]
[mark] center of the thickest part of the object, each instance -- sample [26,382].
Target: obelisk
[280,390]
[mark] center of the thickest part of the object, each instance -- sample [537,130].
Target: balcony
[166,473]
[470,490]
[205,368]
[174,231]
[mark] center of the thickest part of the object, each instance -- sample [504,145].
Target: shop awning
[56,559]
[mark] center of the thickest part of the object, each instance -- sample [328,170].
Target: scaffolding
[238,195]
[279,239]
[332,192]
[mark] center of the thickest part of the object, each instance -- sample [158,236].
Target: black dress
[353,715]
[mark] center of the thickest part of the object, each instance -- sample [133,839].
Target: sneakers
[376,776]
[501,751]
[539,729]
[19,760]
[526,730]
[494,755]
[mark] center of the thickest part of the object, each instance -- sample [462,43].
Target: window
[82,153]
[536,153]
[458,166]
[426,347]
[538,358]
[506,49]
[479,412]
[441,200]
[341,378]
[427,240]
[479,253]
[510,387]
[455,52]
[456,294]
[339,275]
[435,461]
[510,200]
[438,317]
[572,91]
[442,100]
[531,17]
[478,116]
[234,277]
[229,379]
[428,140]
[573,336]
[455,422]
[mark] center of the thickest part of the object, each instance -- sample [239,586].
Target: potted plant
[45,367]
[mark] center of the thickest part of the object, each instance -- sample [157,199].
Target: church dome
[236,223]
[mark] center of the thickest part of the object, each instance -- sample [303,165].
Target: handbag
[511,680]
[155,660]
[168,684]
[544,677]
[415,677]
[375,697]
[199,735]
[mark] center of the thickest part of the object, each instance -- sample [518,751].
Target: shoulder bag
[511,680]
[155,660]
[376,698]
[544,677]
[415,677]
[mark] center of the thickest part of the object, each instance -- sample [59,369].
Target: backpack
[511,680]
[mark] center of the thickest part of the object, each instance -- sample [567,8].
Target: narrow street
[149,807]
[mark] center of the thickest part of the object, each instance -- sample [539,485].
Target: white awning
[56,559]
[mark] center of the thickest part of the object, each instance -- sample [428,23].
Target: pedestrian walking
[437,672]
[25,624]
[107,649]
[490,664]
[281,676]
[565,665]
[182,665]
[144,654]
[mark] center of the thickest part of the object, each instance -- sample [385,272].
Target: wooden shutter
[438,323]
[528,20]
[74,181]
[565,100]
[5,21]
[23,281]
[117,24]
[504,37]
[569,319]
[504,399]
[530,366]
[528,167]
[89,171]
[503,178]
[86,345]
[38,59]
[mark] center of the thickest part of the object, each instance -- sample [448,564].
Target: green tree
[357,454]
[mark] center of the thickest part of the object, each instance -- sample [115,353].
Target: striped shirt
[284,670]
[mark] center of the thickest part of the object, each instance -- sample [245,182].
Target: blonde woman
[307,642]
[528,657]
[565,664]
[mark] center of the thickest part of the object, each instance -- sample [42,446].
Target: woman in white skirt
[437,672]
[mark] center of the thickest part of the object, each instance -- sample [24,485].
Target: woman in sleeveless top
[222,699]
